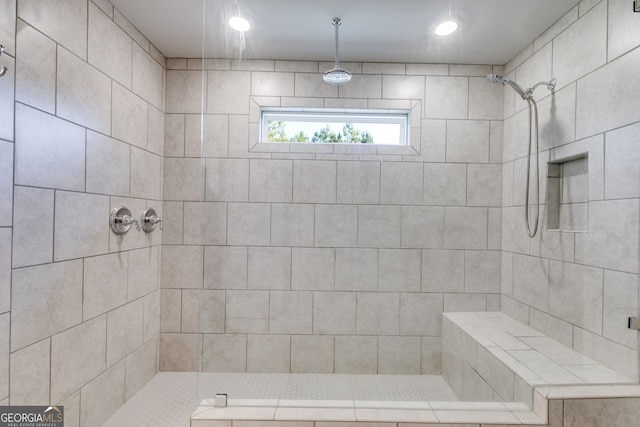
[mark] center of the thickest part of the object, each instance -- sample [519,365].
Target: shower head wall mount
[337,75]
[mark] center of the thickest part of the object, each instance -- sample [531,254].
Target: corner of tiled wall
[579,287]
[89,132]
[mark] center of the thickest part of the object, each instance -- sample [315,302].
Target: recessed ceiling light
[239,24]
[448,26]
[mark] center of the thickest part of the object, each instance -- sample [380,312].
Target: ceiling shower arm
[336,23]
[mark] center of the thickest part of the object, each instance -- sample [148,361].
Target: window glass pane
[330,126]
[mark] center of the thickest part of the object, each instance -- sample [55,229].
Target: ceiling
[492,31]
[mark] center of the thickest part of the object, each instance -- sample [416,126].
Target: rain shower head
[337,75]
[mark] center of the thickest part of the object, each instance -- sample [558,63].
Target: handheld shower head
[497,79]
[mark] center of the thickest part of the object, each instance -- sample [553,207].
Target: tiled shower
[292,258]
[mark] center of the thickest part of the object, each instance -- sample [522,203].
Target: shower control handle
[149,219]
[121,220]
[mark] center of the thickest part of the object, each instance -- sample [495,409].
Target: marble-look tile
[621,36]
[144,275]
[77,356]
[612,225]
[314,181]
[64,21]
[594,412]
[576,294]
[224,353]
[356,355]
[8,26]
[7,86]
[421,314]
[622,163]
[378,313]
[290,312]
[334,313]
[468,141]
[155,132]
[249,224]
[482,271]
[225,267]
[146,174]
[358,182]
[50,155]
[228,92]
[183,179]
[336,226]
[35,68]
[151,316]
[446,97]
[272,84]
[103,396]
[5,270]
[615,356]
[83,93]
[445,184]
[125,331]
[312,85]
[379,226]
[6,183]
[32,226]
[271,180]
[183,92]
[465,228]
[268,353]
[531,281]
[108,177]
[313,269]
[422,227]
[182,267]
[55,287]
[174,135]
[247,312]
[141,367]
[269,268]
[620,302]
[30,374]
[179,352]
[485,101]
[227,180]
[364,87]
[442,271]
[356,269]
[205,223]
[401,183]
[399,270]
[402,87]
[105,284]
[147,77]
[129,115]
[312,354]
[484,185]
[292,224]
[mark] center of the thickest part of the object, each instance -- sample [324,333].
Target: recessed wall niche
[568,194]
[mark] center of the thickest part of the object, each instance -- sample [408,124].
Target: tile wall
[79,307]
[579,288]
[292,258]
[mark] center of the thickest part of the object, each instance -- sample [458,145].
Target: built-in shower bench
[489,356]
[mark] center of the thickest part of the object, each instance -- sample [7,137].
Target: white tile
[224,353]
[620,302]
[621,36]
[468,141]
[403,87]
[465,228]
[115,57]
[272,84]
[205,223]
[422,227]
[8,27]
[125,331]
[421,314]
[103,396]
[364,87]
[485,100]
[484,185]
[356,354]
[482,272]
[141,367]
[312,85]
[183,179]
[129,114]
[442,271]
[144,274]
[146,174]
[179,352]
[399,270]
[147,78]
[622,163]
[617,357]
[531,281]
[182,267]
[312,354]
[108,177]
[32,226]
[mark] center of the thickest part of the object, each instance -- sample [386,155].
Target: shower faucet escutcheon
[149,219]
[121,220]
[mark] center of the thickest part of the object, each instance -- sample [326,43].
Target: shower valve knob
[121,220]
[149,219]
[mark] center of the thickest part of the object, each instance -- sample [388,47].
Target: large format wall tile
[35,69]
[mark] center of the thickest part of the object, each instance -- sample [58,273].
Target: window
[341,126]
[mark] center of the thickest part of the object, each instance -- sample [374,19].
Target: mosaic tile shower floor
[170,398]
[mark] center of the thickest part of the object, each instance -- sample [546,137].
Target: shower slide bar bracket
[636,6]
[634,323]
[3,69]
